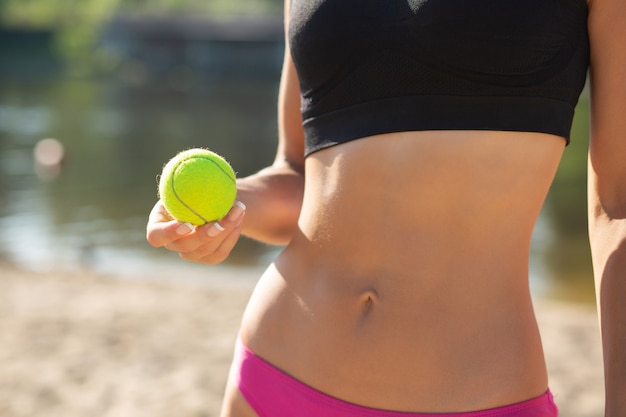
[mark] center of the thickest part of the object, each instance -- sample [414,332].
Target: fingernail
[215,229]
[184,229]
[238,209]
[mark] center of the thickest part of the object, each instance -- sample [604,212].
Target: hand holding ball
[197,186]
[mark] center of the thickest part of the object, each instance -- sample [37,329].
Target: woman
[417,142]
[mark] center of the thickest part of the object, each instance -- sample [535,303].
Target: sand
[77,344]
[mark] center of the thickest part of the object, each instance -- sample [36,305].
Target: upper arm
[274,194]
[607,152]
[607,187]
[290,132]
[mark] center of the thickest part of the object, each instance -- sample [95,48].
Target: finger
[231,240]
[206,238]
[163,234]
[162,229]
[225,247]
[159,213]
[233,218]
[216,237]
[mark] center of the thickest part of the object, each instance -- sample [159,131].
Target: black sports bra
[368,67]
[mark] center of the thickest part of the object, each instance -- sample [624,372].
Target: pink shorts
[273,393]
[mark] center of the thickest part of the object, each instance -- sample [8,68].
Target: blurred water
[117,136]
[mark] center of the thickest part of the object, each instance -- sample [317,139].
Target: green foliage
[65,13]
[209,8]
[51,14]
[76,23]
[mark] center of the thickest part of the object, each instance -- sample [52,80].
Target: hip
[270,391]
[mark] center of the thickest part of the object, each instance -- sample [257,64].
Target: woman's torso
[405,286]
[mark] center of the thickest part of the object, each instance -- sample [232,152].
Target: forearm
[273,198]
[609,253]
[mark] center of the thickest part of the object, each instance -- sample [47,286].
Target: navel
[368,299]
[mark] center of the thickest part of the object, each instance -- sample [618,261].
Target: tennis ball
[197,186]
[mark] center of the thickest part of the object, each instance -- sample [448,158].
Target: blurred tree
[60,13]
[76,24]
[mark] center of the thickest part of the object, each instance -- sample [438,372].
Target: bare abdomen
[406,285]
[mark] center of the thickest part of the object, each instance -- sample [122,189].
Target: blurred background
[96,95]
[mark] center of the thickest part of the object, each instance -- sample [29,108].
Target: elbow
[610,205]
[606,187]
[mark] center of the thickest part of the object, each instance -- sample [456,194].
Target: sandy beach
[80,345]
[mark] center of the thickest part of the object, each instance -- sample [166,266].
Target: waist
[398,342]
[421,332]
